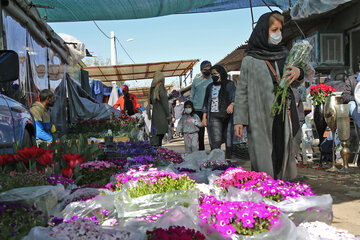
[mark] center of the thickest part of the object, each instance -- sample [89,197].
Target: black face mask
[215,79]
[206,73]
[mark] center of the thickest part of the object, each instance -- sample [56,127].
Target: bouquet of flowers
[320,92]
[243,218]
[174,233]
[299,56]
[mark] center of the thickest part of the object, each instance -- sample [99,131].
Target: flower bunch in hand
[242,218]
[175,233]
[320,92]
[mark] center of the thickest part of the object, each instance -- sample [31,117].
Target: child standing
[189,125]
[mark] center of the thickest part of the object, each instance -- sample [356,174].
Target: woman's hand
[204,122]
[230,108]
[293,74]
[239,130]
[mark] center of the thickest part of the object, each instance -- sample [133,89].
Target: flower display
[243,218]
[133,149]
[151,181]
[213,163]
[169,155]
[186,170]
[29,179]
[97,172]
[17,219]
[119,125]
[152,218]
[276,190]
[81,228]
[320,92]
[175,233]
[42,156]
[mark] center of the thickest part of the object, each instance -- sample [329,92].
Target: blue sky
[207,36]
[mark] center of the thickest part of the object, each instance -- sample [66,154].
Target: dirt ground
[344,188]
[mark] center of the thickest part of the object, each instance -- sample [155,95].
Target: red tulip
[44,157]
[26,153]
[67,172]
[7,158]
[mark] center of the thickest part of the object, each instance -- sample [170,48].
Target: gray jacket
[189,124]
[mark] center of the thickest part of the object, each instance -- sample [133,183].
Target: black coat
[226,97]
[348,93]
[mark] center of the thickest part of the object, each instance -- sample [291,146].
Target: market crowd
[226,109]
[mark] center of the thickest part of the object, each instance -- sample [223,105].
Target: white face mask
[275,38]
[188,110]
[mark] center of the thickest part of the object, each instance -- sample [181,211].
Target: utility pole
[113,49]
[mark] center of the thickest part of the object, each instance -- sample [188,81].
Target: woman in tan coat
[160,115]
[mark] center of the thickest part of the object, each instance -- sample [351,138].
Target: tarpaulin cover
[81,105]
[87,10]
[306,8]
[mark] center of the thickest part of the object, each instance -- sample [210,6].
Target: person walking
[178,111]
[272,141]
[197,96]
[160,115]
[218,110]
[189,125]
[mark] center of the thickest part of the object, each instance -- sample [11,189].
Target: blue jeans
[354,112]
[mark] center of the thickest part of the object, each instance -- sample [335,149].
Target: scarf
[258,46]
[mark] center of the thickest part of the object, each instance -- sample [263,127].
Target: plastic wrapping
[76,194]
[283,230]
[235,194]
[153,203]
[38,55]
[87,208]
[306,8]
[44,198]
[76,47]
[307,208]
[42,233]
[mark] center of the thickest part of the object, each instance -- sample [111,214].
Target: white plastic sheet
[44,198]
[76,47]
[307,208]
[83,208]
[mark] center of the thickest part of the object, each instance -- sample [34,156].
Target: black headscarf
[258,46]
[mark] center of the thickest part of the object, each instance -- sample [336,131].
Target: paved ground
[344,188]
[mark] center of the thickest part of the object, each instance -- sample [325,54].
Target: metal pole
[113,58]
[267,5]
[252,15]
[289,3]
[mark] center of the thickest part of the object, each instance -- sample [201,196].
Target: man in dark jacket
[349,97]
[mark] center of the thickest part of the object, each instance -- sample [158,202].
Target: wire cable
[124,49]
[101,30]
[115,39]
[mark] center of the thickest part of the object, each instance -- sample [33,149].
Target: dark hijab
[258,46]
